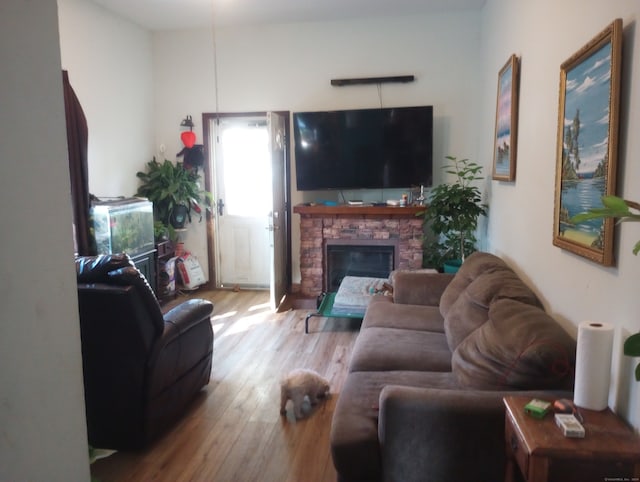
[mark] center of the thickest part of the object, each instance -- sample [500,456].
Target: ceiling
[185,14]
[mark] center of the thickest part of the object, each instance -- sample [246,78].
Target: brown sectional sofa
[423,397]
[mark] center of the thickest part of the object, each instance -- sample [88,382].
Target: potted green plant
[618,208]
[160,231]
[451,217]
[173,190]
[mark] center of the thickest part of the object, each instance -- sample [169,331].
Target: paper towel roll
[593,365]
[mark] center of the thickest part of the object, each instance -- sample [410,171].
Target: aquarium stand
[146,264]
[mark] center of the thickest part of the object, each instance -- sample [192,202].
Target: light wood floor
[234,431]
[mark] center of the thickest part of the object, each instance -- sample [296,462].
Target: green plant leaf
[632,348]
[613,207]
[632,345]
[615,203]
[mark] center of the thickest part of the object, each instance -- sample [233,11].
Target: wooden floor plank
[233,431]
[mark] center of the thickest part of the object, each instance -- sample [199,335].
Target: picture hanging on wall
[587,144]
[506,133]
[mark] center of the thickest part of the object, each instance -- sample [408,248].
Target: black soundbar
[373,80]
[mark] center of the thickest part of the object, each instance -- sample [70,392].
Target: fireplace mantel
[369,210]
[320,224]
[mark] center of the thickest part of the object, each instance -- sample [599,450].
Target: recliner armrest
[186,340]
[184,316]
[419,288]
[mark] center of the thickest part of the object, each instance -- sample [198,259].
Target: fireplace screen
[356,260]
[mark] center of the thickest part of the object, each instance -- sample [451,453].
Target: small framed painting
[506,134]
[587,144]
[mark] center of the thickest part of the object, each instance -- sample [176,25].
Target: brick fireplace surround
[320,224]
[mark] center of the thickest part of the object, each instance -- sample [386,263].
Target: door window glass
[247,169]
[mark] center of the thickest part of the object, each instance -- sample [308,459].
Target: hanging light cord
[215,55]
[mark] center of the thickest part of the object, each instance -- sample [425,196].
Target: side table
[610,450]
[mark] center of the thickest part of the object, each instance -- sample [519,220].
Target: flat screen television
[364,148]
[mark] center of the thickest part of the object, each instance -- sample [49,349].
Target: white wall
[289,67]
[544,33]
[109,61]
[42,419]
[184,82]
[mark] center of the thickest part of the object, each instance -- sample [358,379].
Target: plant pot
[452,266]
[179,216]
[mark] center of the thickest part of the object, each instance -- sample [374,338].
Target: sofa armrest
[433,435]
[438,435]
[419,288]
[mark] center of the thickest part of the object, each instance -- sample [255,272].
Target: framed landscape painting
[587,144]
[506,133]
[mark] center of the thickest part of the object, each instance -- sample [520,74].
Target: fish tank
[123,225]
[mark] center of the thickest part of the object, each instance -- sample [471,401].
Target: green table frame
[326,310]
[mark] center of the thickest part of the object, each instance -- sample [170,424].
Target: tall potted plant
[173,190]
[452,216]
[621,209]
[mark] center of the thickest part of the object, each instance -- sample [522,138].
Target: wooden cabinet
[146,263]
[537,449]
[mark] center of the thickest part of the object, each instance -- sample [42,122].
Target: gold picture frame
[506,131]
[587,144]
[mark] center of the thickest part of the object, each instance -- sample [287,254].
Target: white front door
[244,202]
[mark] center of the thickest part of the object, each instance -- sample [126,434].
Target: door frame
[207,118]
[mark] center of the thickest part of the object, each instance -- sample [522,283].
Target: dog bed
[355,292]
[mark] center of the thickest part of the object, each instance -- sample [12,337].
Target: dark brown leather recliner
[141,368]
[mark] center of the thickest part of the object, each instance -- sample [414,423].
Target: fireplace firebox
[355,258]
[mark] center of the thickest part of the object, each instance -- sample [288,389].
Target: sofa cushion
[419,288]
[384,313]
[400,349]
[474,265]
[470,309]
[495,285]
[520,347]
